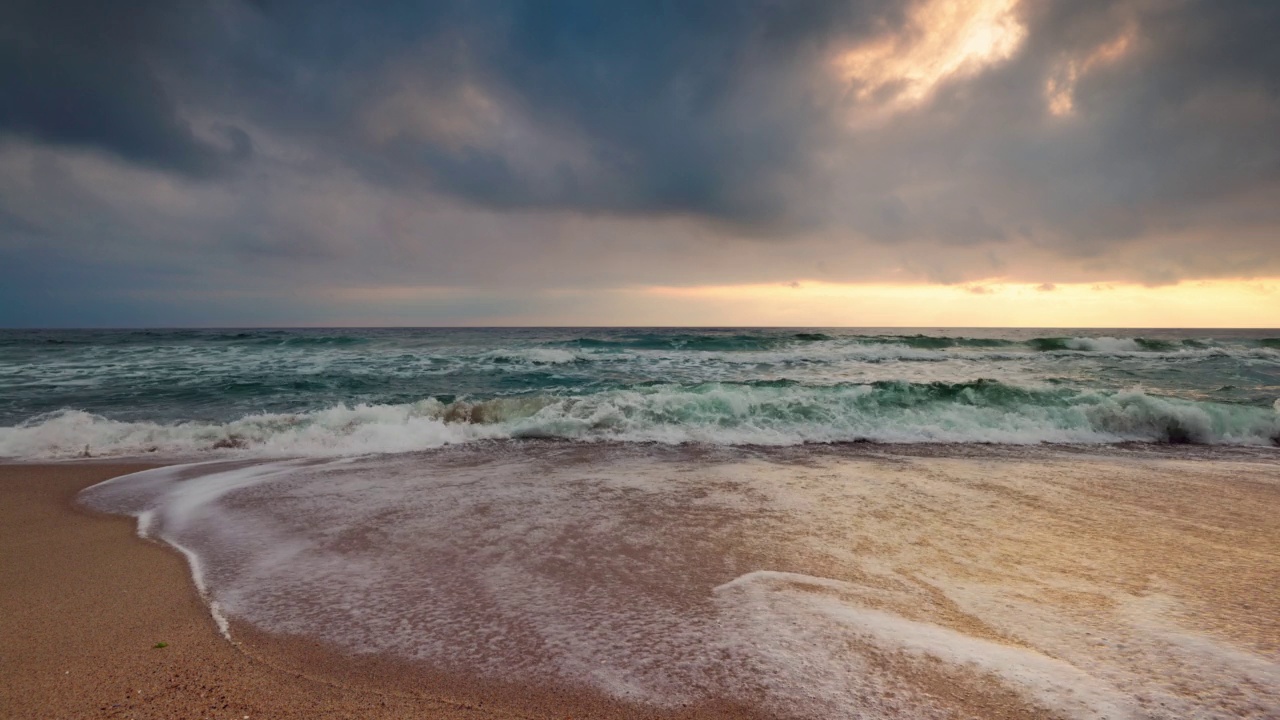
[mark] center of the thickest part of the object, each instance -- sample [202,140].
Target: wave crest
[698,342]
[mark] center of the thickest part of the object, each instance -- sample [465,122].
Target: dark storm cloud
[1187,116]
[660,107]
[90,74]
[686,107]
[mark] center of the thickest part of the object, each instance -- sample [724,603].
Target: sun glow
[944,39]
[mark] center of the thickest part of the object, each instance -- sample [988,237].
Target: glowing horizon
[996,304]
[1225,304]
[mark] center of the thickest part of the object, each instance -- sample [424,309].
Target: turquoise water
[336,391]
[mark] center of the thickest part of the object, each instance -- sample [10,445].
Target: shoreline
[84,600]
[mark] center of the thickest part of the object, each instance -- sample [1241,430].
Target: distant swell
[797,341]
[768,413]
[935,342]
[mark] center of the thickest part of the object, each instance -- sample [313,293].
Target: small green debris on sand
[159,645]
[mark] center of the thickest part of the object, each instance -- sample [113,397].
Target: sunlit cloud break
[942,40]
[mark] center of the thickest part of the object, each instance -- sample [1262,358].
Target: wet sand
[83,600]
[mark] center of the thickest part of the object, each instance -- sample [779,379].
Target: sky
[1087,163]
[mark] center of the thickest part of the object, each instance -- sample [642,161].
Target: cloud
[94,75]
[567,143]
[695,108]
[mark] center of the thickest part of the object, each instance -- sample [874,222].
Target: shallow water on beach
[807,582]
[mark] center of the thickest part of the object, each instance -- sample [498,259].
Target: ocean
[787,523]
[330,391]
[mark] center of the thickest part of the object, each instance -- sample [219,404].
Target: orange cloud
[944,39]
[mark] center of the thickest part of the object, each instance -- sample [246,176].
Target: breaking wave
[759,413]
[1111,344]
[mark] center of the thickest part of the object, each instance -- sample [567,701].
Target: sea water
[308,392]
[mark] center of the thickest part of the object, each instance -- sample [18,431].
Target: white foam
[198,577]
[1167,669]
[535,355]
[773,600]
[165,509]
[1104,344]
[339,430]
[145,519]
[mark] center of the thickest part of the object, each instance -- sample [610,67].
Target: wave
[1108,344]
[320,341]
[695,342]
[747,343]
[270,338]
[532,356]
[934,342]
[776,413]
